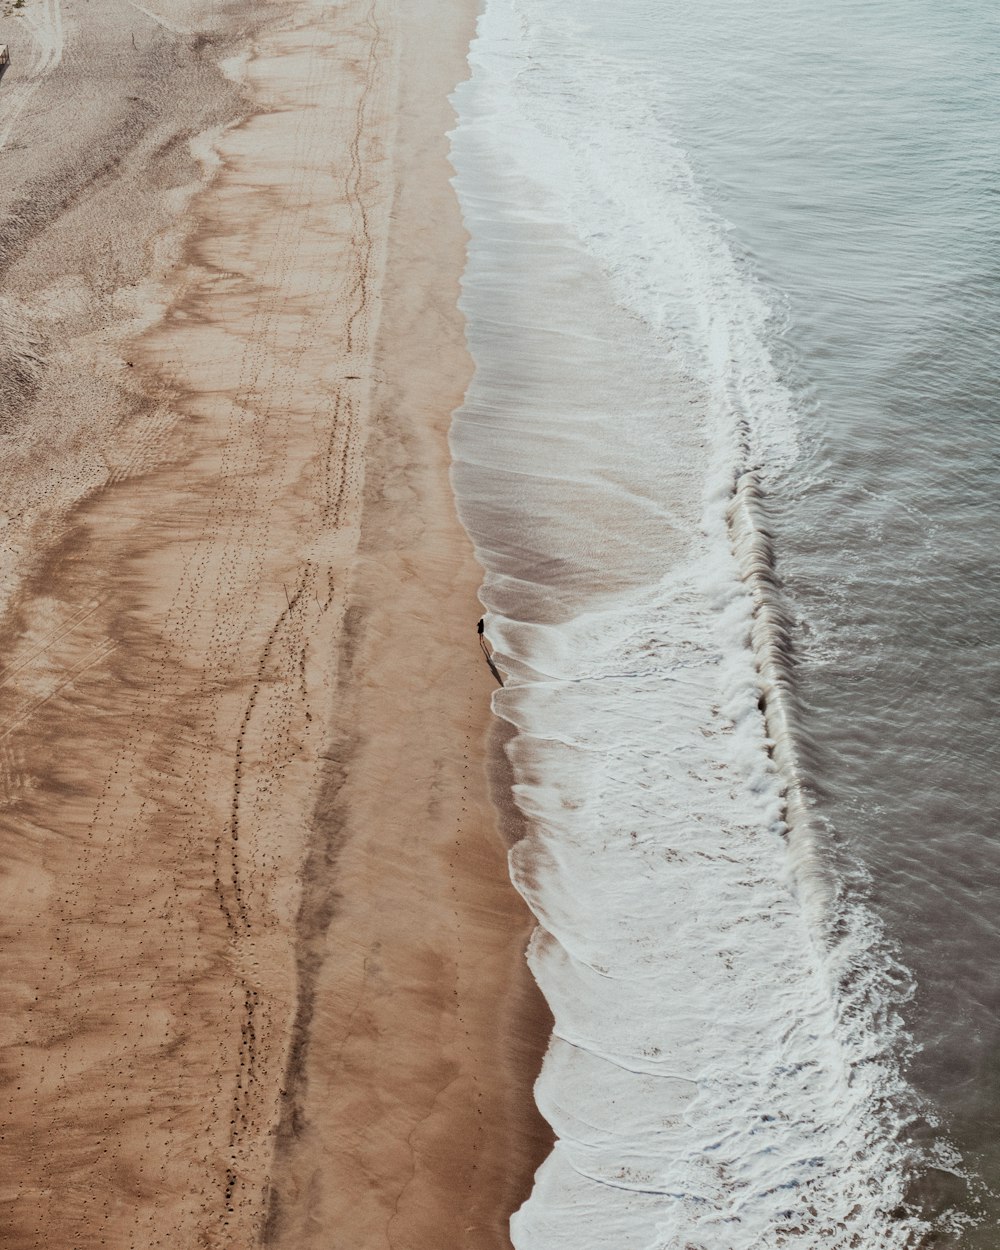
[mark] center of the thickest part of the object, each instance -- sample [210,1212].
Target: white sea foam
[721,1075]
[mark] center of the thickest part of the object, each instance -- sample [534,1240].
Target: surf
[725,1065]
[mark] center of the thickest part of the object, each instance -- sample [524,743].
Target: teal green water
[853,149]
[734,268]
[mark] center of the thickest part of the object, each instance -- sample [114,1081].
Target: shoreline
[212,796]
[411,631]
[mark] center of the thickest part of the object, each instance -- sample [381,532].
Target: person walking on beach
[489,658]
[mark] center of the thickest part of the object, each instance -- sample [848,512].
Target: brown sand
[262,963]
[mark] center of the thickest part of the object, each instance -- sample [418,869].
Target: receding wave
[724,1069]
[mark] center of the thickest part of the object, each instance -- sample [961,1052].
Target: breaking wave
[724,1069]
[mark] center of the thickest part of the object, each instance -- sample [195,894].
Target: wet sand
[263,964]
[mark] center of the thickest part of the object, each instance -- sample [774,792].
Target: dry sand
[262,963]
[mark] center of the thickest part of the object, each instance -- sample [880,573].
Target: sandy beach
[263,963]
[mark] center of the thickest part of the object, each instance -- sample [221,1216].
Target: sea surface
[730,461]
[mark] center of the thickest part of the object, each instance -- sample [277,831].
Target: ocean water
[729,460]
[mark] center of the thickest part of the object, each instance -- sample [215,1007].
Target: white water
[723,1073]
